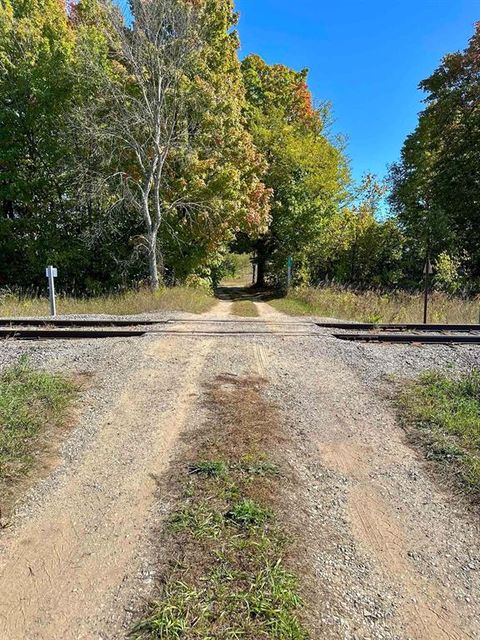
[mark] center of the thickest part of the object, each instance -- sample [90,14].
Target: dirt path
[393,557]
[400,556]
[65,569]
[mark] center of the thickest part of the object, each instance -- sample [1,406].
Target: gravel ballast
[392,554]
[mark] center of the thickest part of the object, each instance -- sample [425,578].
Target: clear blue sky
[365,56]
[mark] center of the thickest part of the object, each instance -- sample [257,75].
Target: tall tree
[307,172]
[36,83]
[168,117]
[436,184]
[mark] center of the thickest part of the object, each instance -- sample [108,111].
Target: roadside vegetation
[370,306]
[444,412]
[188,299]
[32,405]
[228,573]
[244,308]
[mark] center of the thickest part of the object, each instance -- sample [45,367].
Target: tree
[142,114]
[307,172]
[168,120]
[222,174]
[436,184]
[36,87]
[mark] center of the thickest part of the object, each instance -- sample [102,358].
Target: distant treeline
[138,148]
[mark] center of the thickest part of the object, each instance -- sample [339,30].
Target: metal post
[51,274]
[289,272]
[428,271]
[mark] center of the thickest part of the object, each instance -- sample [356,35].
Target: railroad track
[68,334]
[403,338]
[55,322]
[427,328]
[74,329]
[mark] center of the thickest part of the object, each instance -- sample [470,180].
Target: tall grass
[128,303]
[371,306]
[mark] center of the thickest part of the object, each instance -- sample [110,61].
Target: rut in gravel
[390,554]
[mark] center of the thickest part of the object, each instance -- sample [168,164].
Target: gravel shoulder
[390,553]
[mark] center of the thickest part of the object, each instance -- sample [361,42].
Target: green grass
[30,401]
[446,414]
[244,308]
[132,302]
[229,580]
[227,556]
[375,307]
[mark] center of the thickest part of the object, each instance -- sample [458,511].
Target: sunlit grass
[128,303]
[244,309]
[30,401]
[446,412]
[371,306]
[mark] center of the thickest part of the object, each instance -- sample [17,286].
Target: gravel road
[393,554]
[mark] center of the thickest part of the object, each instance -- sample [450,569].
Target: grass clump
[375,307]
[244,308]
[231,581]
[186,299]
[247,513]
[212,469]
[228,575]
[446,413]
[30,401]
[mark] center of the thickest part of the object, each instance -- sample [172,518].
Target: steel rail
[72,334]
[409,338]
[366,326]
[57,322]
[235,334]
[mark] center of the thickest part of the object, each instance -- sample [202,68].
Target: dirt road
[393,555]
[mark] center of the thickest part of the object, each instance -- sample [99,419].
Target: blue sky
[365,56]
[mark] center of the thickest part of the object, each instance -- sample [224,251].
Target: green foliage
[435,184]
[248,513]
[307,171]
[446,411]
[30,401]
[448,276]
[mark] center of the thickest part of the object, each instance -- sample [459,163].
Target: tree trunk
[261,263]
[152,263]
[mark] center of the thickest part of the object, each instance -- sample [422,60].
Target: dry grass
[129,303]
[227,575]
[375,307]
[244,309]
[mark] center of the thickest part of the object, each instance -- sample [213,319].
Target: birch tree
[139,115]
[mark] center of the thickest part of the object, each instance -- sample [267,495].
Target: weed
[210,469]
[446,413]
[247,513]
[199,520]
[30,401]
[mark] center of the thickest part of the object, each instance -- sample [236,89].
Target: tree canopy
[140,149]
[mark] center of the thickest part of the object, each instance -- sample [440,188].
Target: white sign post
[51,273]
